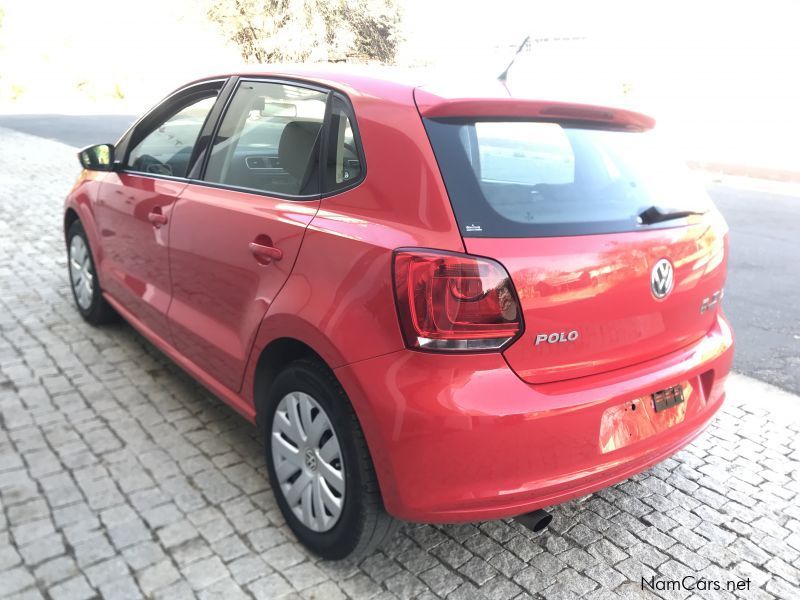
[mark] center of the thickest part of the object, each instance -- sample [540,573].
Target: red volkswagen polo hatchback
[438,306]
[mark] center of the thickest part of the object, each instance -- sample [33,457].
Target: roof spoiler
[433,106]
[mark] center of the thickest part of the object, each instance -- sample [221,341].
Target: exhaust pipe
[536,521]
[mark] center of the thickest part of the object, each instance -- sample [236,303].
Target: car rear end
[579,338]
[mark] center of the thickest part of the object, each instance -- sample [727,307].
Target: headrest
[297,143]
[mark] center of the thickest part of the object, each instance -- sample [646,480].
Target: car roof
[441,95]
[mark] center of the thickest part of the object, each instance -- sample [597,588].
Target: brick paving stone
[283,556]
[327,590]
[177,533]
[143,555]
[157,576]
[583,535]
[647,554]
[500,588]
[483,546]
[265,538]
[9,557]
[379,567]
[477,570]
[192,551]
[466,591]
[507,563]
[576,582]
[248,568]
[304,575]
[405,585]
[548,564]
[17,579]
[578,558]
[272,586]
[204,573]
[42,549]
[441,580]
[180,590]
[606,576]
[532,580]
[76,588]
[224,589]
[229,548]
[122,478]
[56,570]
[415,561]
[122,588]
[361,586]
[522,547]
[107,571]
[452,553]
[687,557]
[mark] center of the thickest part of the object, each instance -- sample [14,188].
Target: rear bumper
[462,438]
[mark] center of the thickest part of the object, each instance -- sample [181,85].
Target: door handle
[264,253]
[156,217]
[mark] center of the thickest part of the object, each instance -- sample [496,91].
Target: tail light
[454,302]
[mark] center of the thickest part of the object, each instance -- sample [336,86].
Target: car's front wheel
[83,278]
[319,465]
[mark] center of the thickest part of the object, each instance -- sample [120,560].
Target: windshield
[528,179]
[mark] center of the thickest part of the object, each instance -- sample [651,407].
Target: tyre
[319,465]
[83,279]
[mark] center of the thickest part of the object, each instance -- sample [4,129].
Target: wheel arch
[281,351]
[70,216]
[274,357]
[78,207]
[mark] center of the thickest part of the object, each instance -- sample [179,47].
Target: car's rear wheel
[319,465]
[83,278]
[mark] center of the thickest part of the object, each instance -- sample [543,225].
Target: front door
[236,235]
[135,205]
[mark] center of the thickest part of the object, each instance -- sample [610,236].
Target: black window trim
[547,230]
[209,129]
[199,161]
[123,147]
[350,114]
[322,150]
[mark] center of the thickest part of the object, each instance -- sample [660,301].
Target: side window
[269,139]
[167,149]
[343,164]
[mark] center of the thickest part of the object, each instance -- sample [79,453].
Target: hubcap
[308,461]
[80,272]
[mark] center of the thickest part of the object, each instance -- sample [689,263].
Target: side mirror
[97,158]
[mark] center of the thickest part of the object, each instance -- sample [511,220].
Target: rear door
[558,205]
[134,206]
[237,231]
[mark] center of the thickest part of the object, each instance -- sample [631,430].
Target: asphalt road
[75,130]
[762,296]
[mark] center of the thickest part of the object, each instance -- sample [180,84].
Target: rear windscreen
[538,179]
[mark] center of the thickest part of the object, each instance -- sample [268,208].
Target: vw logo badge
[662,278]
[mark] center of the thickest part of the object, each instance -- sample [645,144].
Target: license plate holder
[667,398]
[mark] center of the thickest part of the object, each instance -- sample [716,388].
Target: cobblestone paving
[121,478]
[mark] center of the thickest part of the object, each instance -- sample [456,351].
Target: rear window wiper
[655,214]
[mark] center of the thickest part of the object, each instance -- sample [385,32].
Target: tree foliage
[310,30]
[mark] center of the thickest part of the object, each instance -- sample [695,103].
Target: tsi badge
[556,338]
